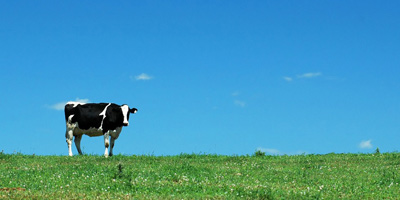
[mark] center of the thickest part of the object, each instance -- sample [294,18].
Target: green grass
[192,176]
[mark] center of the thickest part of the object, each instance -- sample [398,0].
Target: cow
[95,119]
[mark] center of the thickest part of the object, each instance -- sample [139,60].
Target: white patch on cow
[70,118]
[75,103]
[104,116]
[125,110]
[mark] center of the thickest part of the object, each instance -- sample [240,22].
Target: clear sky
[214,77]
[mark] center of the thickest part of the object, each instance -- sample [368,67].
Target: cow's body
[95,119]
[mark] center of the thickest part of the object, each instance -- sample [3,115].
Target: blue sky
[218,77]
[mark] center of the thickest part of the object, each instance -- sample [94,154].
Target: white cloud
[302,76]
[365,144]
[236,93]
[60,105]
[142,77]
[309,75]
[82,100]
[287,78]
[240,103]
[269,151]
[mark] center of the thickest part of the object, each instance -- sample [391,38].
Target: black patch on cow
[87,115]
[68,110]
[114,118]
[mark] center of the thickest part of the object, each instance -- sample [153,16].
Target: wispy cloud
[142,77]
[237,102]
[309,75]
[60,105]
[287,78]
[302,76]
[269,151]
[57,106]
[82,100]
[236,93]
[240,103]
[366,144]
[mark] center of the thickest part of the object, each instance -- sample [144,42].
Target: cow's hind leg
[69,134]
[78,143]
[106,143]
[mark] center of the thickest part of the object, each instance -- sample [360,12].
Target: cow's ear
[133,110]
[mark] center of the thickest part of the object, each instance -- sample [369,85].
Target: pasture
[194,176]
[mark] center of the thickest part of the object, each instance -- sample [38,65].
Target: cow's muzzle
[125,123]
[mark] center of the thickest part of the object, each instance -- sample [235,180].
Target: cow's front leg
[106,143]
[69,134]
[112,145]
[78,143]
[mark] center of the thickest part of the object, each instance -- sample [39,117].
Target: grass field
[192,176]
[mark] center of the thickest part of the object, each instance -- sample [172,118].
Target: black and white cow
[95,119]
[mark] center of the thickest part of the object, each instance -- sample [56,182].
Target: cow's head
[126,111]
